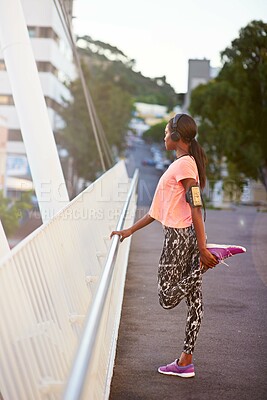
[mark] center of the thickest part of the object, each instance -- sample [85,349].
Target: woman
[177,205]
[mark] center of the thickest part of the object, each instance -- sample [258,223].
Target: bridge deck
[231,352]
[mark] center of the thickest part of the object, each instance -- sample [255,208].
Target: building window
[44,66]
[45,32]
[42,32]
[32,31]
[51,103]
[2,65]
[6,100]
[14,135]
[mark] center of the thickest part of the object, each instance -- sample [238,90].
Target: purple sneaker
[174,369]
[223,251]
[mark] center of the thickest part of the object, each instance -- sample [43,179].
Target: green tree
[108,61]
[156,132]
[113,107]
[12,211]
[233,108]
[209,102]
[114,87]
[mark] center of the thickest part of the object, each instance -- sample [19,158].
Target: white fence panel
[47,284]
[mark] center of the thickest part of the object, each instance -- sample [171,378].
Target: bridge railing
[49,282]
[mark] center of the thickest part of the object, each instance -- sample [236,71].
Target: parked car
[149,162]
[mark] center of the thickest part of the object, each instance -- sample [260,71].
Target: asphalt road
[148,176]
[231,352]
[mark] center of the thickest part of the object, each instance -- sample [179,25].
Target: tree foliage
[114,87]
[109,61]
[113,107]
[233,107]
[12,211]
[156,132]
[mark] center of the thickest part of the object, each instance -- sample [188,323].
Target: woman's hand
[123,234]
[207,259]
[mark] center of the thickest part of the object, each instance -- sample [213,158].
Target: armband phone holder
[193,196]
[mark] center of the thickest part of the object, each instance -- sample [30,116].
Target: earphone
[175,136]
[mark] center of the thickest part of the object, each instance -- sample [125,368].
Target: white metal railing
[85,356]
[47,285]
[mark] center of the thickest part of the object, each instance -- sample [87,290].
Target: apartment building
[199,72]
[56,68]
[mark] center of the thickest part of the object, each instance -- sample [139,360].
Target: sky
[163,35]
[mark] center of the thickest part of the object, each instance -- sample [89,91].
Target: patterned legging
[179,277]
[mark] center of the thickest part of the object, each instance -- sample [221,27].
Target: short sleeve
[186,168]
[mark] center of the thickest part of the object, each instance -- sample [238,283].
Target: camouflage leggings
[179,277]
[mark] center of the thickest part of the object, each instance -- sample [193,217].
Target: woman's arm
[206,257]
[141,223]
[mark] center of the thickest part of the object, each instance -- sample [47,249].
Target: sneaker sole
[223,246]
[186,375]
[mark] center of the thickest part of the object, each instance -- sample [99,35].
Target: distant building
[54,61]
[199,72]
[150,114]
[151,110]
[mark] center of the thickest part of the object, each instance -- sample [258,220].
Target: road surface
[231,352]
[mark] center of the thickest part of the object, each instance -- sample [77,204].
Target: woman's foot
[174,369]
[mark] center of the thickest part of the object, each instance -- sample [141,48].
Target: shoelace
[221,260]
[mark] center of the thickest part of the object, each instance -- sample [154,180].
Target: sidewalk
[231,352]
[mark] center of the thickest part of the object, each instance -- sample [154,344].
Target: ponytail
[200,157]
[187,130]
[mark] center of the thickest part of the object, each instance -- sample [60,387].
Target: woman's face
[169,143]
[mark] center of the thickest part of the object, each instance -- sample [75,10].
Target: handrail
[75,384]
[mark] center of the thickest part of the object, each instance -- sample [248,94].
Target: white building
[150,114]
[54,60]
[151,110]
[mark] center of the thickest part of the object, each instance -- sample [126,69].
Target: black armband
[193,196]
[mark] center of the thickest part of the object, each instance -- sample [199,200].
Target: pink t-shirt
[169,205]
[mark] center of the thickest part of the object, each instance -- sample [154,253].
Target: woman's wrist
[202,248]
[131,230]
